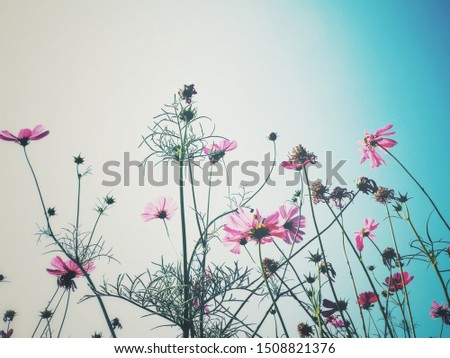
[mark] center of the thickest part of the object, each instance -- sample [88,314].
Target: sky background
[319,73]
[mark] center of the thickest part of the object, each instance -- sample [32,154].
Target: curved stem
[429,255]
[420,186]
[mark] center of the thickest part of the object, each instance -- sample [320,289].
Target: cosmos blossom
[291,221]
[366,231]
[67,271]
[440,311]
[25,135]
[395,283]
[334,321]
[371,141]
[163,208]
[366,299]
[243,227]
[218,150]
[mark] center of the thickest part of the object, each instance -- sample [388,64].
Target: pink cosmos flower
[440,311]
[162,209]
[395,283]
[366,299]
[371,141]
[243,227]
[25,135]
[334,321]
[67,271]
[291,221]
[218,150]
[289,164]
[196,304]
[366,231]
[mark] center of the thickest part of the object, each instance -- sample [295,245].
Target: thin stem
[365,271]
[77,220]
[351,275]
[323,252]
[65,313]
[186,323]
[270,291]
[405,291]
[429,255]
[420,186]
[46,308]
[52,235]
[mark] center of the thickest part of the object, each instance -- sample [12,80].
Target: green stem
[420,186]
[351,275]
[405,291]
[186,304]
[323,253]
[65,313]
[270,291]
[429,255]
[80,266]
[365,271]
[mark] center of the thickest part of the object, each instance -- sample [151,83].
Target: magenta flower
[218,150]
[291,221]
[67,271]
[366,299]
[440,311]
[243,227]
[25,135]
[334,321]
[371,141]
[395,283]
[289,164]
[366,231]
[162,209]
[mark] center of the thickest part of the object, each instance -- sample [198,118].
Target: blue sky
[317,72]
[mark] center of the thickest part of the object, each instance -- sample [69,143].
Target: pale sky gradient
[317,72]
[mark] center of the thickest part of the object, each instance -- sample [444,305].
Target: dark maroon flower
[366,185]
[338,196]
[304,330]
[333,307]
[7,334]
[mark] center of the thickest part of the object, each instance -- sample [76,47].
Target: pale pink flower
[291,221]
[218,150]
[237,230]
[243,227]
[25,135]
[366,231]
[440,311]
[67,271]
[371,141]
[334,321]
[162,209]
